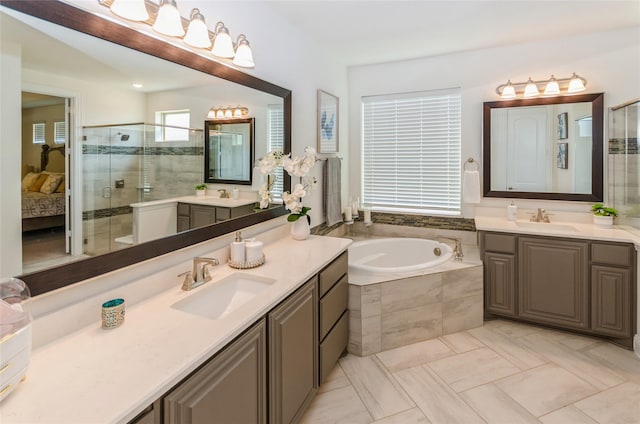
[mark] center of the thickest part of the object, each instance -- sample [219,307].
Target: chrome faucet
[540,216]
[199,274]
[457,249]
[224,194]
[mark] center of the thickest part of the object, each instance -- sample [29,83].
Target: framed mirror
[229,150]
[544,148]
[75,22]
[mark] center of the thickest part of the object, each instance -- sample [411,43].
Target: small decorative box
[112,313]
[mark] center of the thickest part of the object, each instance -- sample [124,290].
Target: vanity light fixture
[244,56]
[227,112]
[197,32]
[165,19]
[553,86]
[222,43]
[134,10]
[168,20]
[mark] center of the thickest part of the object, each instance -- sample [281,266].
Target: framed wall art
[327,122]
[562,126]
[562,158]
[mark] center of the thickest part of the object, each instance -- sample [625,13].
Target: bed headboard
[44,158]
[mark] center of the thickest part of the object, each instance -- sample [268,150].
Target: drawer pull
[6,389]
[6,367]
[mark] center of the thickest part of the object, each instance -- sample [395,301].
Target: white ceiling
[367,32]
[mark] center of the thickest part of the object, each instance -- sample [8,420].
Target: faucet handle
[188,280]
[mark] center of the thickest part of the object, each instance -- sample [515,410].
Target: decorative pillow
[28,180]
[51,184]
[61,186]
[38,183]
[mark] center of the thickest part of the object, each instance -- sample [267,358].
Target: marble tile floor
[501,373]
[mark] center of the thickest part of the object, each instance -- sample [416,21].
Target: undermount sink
[545,226]
[216,299]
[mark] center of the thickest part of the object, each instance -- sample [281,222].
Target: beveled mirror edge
[597,157]
[63,14]
[207,150]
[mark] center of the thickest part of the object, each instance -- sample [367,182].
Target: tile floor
[503,373]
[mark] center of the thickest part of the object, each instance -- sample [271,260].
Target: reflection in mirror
[228,150]
[96,77]
[547,148]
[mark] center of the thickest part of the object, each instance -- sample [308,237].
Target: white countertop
[559,228]
[98,376]
[198,200]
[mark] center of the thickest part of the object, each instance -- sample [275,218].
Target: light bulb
[531,89]
[244,56]
[576,84]
[134,10]
[168,21]
[552,87]
[508,91]
[222,44]
[197,32]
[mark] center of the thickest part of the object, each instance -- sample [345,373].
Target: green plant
[201,186]
[601,210]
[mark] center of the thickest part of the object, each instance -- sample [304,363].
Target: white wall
[609,61]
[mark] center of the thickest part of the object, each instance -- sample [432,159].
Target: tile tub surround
[396,313]
[80,373]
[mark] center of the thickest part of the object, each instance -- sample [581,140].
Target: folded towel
[471,187]
[332,191]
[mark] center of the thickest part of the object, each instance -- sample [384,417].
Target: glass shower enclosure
[131,163]
[624,162]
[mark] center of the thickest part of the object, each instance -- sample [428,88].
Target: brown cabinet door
[202,215]
[500,284]
[611,301]
[231,388]
[553,281]
[293,354]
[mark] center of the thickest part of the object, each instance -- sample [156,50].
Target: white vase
[603,221]
[300,229]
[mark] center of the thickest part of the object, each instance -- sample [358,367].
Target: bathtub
[407,290]
[397,255]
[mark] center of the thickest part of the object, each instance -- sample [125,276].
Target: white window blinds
[59,132]
[38,133]
[275,141]
[411,152]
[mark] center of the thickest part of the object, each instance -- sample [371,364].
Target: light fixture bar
[552,86]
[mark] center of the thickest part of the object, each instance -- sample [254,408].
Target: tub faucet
[540,216]
[224,194]
[457,249]
[199,274]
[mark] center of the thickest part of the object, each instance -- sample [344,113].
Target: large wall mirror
[59,43]
[546,148]
[228,150]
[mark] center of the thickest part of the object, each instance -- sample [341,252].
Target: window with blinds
[411,152]
[275,141]
[59,132]
[38,133]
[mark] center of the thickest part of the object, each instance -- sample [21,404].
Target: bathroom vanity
[195,215]
[568,280]
[261,361]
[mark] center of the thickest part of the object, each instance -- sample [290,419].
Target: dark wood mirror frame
[597,109]
[79,20]
[207,149]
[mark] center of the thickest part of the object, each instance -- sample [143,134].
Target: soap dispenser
[237,249]
[512,212]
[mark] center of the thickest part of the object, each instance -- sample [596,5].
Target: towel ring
[472,162]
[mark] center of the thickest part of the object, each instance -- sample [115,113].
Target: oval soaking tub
[397,255]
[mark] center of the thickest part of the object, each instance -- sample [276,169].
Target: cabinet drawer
[184,209]
[332,273]
[501,243]
[332,305]
[611,254]
[333,345]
